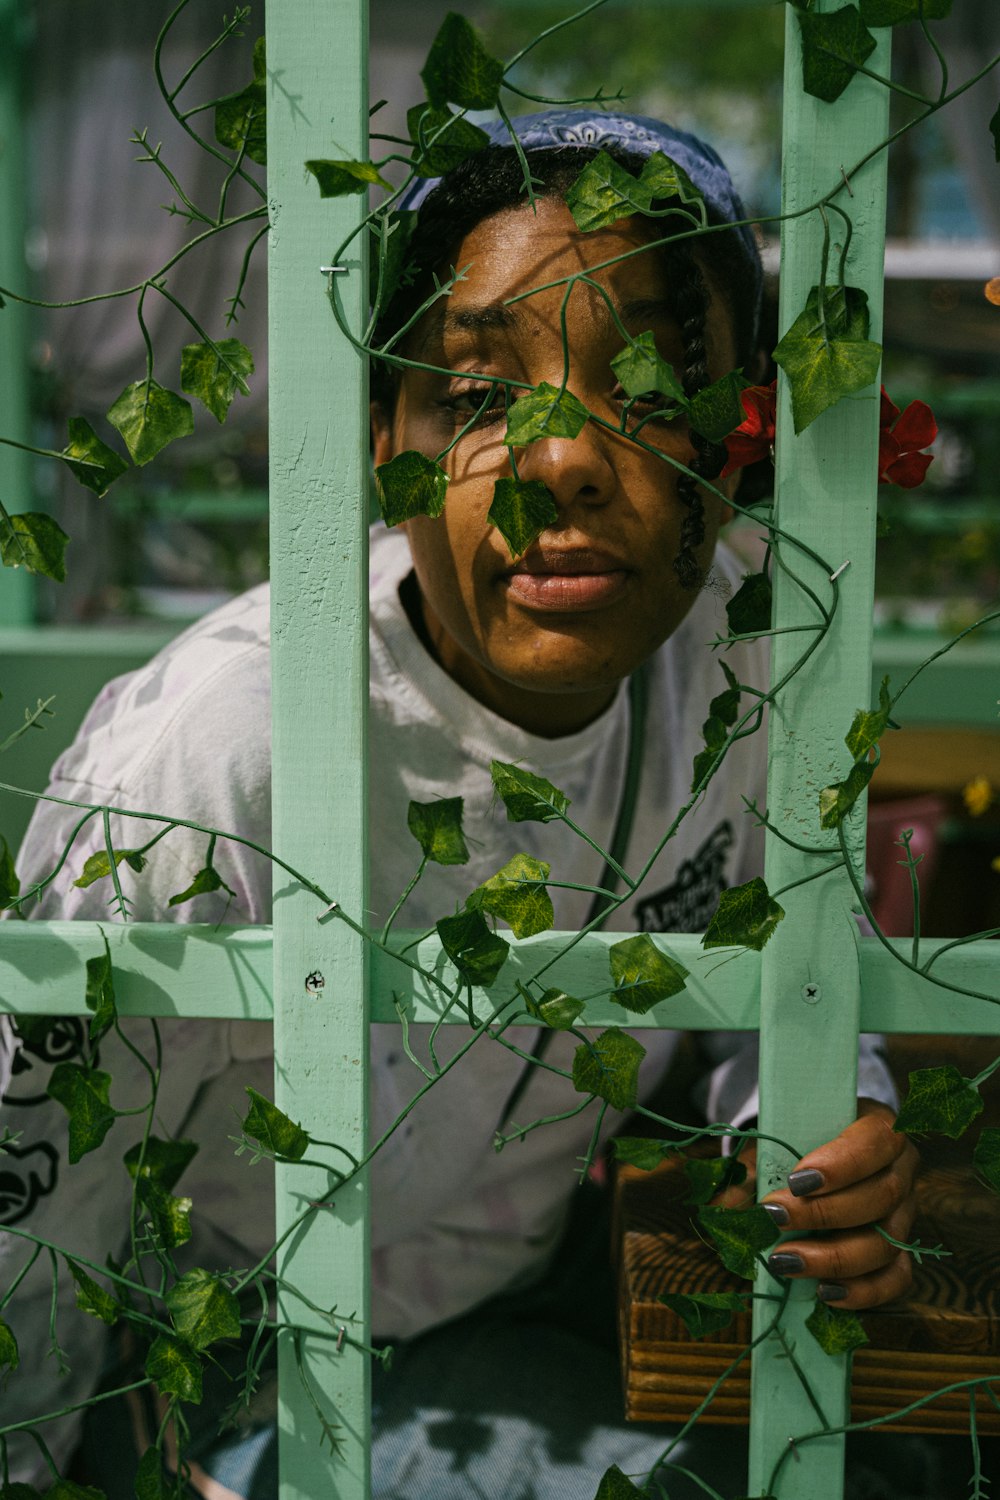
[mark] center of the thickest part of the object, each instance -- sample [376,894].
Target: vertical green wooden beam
[16,586]
[317,107]
[810,985]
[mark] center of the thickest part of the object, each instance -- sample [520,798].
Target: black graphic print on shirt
[688,904]
[30,1170]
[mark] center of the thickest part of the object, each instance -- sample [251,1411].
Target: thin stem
[529,185]
[911,865]
[239,16]
[518,1132]
[22,1273]
[577,15]
[975,937]
[942,60]
[805,879]
[236,300]
[404,1022]
[86,463]
[980,1078]
[112,861]
[469,424]
[941,651]
[762,822]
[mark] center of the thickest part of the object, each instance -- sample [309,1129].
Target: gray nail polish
[830,1291]
[777,1212]
[785,1263]
[805,1180]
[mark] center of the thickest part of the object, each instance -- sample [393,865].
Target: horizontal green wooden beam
[166,969]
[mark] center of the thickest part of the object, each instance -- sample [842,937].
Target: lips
[567,579]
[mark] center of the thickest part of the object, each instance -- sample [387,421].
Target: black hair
[493,180]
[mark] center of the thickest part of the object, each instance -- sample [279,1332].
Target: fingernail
[786,1263]
[830,1291]
[777,1212]
[805,1180]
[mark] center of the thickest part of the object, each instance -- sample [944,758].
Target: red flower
[754,438]
[899,441]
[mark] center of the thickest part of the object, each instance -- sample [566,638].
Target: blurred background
[80,213]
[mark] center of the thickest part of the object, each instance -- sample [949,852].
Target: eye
[486,402]
[650,407]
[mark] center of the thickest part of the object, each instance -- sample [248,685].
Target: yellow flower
[977,795]
[995,864]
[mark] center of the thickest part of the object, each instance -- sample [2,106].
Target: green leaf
[717,409]
[869,725]
[100,993]
[605,192]
[93,462]
[203,1309]
[891,12]
[666,179]
[477,953]
[746,916]
[15,1491]
[437,828]
[10,885]
[708,1176]
[518,896]
[641,369]
[84,1094]
[149,417]
[555,1008]
[643,974]
[704,1312]
[34,541]
[725,708]
[749,610]
[528,798]
[98,865]
[521,510]
[459,70]
[163,1161]
[441,140]
[994,128]
[150,1480]
[204,883]
[243,117]
[739,1235]
[986,1157]
[10,1356]
[836,801]
[703,763]
[939,1100]
[545,412]
[215,374]
[411,484]
[174,1368]
[92,1298]
[609,1068]
[617,1486]
[642,1152]
[269,1125]
[834,45]
[340,179]
[260,59]
[835,1331]
[827,353]
[170,1216]
[68,1489]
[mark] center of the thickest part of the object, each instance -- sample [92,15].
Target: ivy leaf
[459,69]
[555,1008]
[746,916]
[749,610]
[836,801]
[834,45]
[203,1309]
[170,1216]
[939,1100]
[643,974]
[477,953]
[149,417]
[869,724]
[340,179]
[891,12]
[92,1298]
[835,1331]
[518,896]
[641,369]
[706,1177]
[100,993]
[163,1162]
[98,865]
[545,412]
[617,1486]
[174,1368]
[269,1125]
[704,1312]
[528,798]
[34,541]
[411,484]
[717,410]
[739,1235]
[16,1491]
[68,1489]
[703,763]
[986,1157]
[10,885]
[642,1152]
[605,192]
[437,828]
[441,140]
[725,707]
[85,450]
[10,1356]
[204,883]
[827,353]
[609,1068]
[84,1094]
[243,116]
[150,1481]
[521,510]
[665,179]
[215,374]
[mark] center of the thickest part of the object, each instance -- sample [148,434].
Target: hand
[862,1178]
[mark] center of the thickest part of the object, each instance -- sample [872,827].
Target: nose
[576,470]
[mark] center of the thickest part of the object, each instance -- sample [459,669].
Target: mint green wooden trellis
[810,990]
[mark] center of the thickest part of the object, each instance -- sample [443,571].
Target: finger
[867,1202]
[885,1285]
[868,1145]
[843,1256]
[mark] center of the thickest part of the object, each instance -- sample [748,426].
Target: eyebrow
[488,317]
[647,310]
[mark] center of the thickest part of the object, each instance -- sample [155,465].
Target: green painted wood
[826,483]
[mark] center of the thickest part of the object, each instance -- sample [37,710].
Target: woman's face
[544,640]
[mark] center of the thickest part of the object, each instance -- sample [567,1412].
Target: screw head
[812,993]
[314,982]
